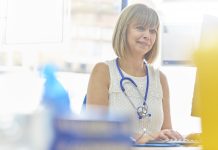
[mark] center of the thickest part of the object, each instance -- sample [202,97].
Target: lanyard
[142,111]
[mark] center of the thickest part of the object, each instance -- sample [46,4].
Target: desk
[166,148]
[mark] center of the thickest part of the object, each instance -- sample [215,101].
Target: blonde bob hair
[142,15]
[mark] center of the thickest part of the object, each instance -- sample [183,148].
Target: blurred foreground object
[207,65]
[193,136]
[206,60]
[31,131]
[55,97]
[92,131]
[196,104]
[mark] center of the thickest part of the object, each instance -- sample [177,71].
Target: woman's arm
[97,93]
[166,129]
[166,103]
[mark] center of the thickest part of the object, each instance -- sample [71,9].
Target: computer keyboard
[168,143]
[181,142]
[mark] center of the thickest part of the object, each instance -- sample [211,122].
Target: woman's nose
[146,34]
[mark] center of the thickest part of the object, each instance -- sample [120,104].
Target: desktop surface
[166,148]
[7,147]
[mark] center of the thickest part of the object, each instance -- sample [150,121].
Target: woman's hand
[167,134]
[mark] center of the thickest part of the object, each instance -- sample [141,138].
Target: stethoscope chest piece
[142,111]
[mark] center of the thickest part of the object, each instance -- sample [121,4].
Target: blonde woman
[129,83]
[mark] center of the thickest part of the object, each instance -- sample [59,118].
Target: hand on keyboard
[167,134]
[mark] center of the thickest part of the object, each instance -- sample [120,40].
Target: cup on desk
[206,61]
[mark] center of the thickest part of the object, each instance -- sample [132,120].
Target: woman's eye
[140,28]
[153,31]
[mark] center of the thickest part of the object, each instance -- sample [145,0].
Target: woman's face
[140,39]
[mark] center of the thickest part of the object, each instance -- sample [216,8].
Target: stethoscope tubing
[123,78]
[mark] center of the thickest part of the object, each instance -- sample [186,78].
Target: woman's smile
[144,44]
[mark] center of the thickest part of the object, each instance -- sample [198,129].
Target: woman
[113,83]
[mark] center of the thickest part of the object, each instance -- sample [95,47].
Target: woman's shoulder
[163,77]
[104,64]
[157,72]
[99,74]
[100,67]
[110,62]
[154,70]
[103,68]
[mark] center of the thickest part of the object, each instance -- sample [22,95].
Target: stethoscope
[142,111]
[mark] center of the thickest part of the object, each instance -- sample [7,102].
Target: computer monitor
[196,106]
[208,40]
[209,32]
[206,93]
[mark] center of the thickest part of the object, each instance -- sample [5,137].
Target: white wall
[181,85]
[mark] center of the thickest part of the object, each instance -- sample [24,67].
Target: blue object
[157,145]
[84,103]
[142,111]
[55,97]
[124,4]
[73,133]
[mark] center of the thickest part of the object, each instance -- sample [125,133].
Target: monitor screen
[209,32]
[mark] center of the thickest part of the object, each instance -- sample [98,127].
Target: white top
[120,104]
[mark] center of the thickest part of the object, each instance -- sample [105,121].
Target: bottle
[54,97]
